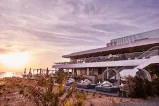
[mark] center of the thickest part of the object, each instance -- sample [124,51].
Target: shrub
[80,98]
[80,77]
[41,81]
[141,88]
[21,91]
[52,95]
[61,76]
[155,86]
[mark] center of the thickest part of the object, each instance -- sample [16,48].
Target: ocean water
[10,74]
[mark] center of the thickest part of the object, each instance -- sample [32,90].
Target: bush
[141,88]
[41,81]
[80,77]
[21,91]
[52,95]
[155,85]
[61,76]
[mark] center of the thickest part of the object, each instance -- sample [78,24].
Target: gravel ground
[150,102]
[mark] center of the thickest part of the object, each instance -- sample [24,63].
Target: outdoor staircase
[152,57]
[152,60]
[132,72]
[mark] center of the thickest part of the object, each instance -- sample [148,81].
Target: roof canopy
[116,49]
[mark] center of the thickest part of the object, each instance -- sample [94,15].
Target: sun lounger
[107,87]
[111,89]
[69,82]
[86,84]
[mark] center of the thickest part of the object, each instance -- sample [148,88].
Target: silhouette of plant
[51,95]
[141,88]
[155,86]
[81,77]
[61,76]
[41,81]
[80,99]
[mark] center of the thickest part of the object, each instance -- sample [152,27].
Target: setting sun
[15,59]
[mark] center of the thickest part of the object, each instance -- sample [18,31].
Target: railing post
[87,71]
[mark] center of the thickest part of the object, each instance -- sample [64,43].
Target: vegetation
[141,88]
[33,92]
[43,91]
[155,86]
[61,76]
[49,95]
[81,77]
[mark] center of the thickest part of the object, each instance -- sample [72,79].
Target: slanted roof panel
[104,49]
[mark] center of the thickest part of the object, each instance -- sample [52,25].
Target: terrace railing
[127,56]
[147,54]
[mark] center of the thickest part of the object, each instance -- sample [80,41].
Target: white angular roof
[122,46]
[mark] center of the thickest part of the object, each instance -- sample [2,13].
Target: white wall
[103,64]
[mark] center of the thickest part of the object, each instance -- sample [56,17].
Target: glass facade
[132,38]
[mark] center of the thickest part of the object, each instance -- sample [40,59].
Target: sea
[10,74]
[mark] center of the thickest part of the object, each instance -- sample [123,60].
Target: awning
[128,72]
[142,73]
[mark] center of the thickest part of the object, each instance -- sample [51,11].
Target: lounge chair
[86,84]
[70,81]
[106,86]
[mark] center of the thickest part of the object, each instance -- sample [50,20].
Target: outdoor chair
[86,84]
[106,86]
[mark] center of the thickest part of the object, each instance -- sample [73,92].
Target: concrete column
[107,72]
[87,71]
[78,72]
[73,71]
[68,71]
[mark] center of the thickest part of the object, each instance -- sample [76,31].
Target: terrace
[116,57]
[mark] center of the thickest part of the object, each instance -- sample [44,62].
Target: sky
[48,29]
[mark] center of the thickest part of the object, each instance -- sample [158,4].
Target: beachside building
[121,57]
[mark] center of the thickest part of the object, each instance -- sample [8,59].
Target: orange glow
[9,74]
[15,59]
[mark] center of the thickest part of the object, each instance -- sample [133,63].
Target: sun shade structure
[143,74]
[110,74]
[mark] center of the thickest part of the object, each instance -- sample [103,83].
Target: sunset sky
[47,29]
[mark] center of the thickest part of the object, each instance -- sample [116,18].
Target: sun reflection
[9,74]
[15,59]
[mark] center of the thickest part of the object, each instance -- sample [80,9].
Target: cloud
[73,25]
[10,49]
[2,50]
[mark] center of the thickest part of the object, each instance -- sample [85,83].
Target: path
[151,102]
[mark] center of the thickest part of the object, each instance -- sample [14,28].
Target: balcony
[117,57]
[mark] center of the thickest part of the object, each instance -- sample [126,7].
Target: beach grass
[39,91]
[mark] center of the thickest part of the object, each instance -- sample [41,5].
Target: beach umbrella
[143,74]
[109,74]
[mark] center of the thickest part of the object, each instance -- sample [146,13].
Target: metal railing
[148,51]
[127,56]
[151,52]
